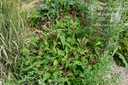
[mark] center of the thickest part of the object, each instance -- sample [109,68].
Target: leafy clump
[66,49]
[62,56]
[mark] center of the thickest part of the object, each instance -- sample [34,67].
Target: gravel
[123,73]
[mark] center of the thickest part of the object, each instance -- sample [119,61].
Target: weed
[11,38]
[67,48]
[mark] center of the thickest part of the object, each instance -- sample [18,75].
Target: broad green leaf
[54,49]
[60,52]
[69,39]
[65,58]
[59,24]
[46,76]
[98,43]
[46,43]
[40,82]
[25,51]
[53,5]
[46,48]
[55,74]
[76,62]
[55,62]
[97,50]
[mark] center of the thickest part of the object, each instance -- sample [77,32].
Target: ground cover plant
[65,48]
[70,42]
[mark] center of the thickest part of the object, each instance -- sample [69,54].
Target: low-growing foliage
[61,56]
[72,44]
[66,49]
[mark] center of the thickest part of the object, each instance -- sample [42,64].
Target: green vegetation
[63,42]
[11,26]
[123,44]
[27,1]
[12,29]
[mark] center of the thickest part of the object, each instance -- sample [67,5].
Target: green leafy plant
[66,49]
[69,45]
[52,10]
[60,57]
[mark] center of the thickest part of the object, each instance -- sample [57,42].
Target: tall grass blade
[123,59]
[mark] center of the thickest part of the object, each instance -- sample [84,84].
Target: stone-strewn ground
[123,74]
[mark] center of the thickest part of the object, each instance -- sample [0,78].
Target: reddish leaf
[73,28]
[56,35]
[91,61]
[58,61]
[96,59]
[63,15]
[46,18]
[56,50]
[122,44]
[81,58]
[33,31]
[84,46]
[84,0]
[38,35]
[83,22]
[59,66]
[87,53]
[38,54]
[91,37]
[99,34]
[43,69]
[50,60]
[41,26]
[101,52]
[75,12]
[67,73]
[36,66]
[70,54]
[69,13]
[86,66]
[48,52]
[43,40]
[77,53]
[30,47]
